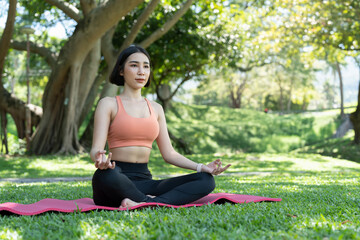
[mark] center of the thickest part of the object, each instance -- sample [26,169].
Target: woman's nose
[141,70]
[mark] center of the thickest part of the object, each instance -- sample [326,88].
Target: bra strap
[119,103]
[149,106]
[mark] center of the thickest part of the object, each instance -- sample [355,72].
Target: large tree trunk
[338,70]
[164,96]
[4,47]
[57,131]
[355,116]
[237,91]
[3,132]
[355,119]
[281,98]
[8,103]
[290,93]
[110,55]
[17,109]
[235,97]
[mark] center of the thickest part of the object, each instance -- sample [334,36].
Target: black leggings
[134,181]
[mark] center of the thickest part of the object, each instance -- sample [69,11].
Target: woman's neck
[132,94]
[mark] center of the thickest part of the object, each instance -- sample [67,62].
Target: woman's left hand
[215,167]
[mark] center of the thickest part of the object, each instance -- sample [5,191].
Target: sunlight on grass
[81,165]
[315,205]
[47,166]
[77,167]
[6,233]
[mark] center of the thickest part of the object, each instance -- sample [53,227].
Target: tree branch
[167,26]
[250,67]
[7,35]
[186,78]
[44,52]
[347,49]
[17,107]
[87,6]
[87,32]
[139,24]
[107,48]
[67,8]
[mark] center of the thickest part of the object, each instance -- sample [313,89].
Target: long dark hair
[115,77]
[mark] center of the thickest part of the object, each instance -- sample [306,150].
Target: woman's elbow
[169,156]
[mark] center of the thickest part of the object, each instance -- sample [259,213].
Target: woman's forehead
[138,57]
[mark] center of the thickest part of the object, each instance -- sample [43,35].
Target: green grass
[320,201]
[82,166]
[343,148]
[300,164]
[220,129]
[48,166]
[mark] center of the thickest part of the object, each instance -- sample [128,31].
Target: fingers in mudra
[102,162]
[217,168]
[220,169]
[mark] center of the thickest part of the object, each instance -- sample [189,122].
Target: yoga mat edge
[87,204]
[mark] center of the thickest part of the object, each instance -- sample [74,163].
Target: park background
[217,66]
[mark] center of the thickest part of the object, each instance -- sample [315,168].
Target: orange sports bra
[125,130]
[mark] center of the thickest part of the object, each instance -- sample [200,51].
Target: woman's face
[136,70]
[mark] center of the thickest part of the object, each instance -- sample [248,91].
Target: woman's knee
[208,181]
[106,176]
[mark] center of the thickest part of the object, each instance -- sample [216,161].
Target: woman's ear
[121,72]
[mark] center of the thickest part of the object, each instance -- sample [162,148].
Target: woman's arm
[171,156]
[102,120]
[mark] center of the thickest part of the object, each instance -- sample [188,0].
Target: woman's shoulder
[107,102]
[156,106]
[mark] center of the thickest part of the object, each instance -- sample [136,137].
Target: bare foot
[128,203]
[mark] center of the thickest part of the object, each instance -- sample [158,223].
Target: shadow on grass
[319,189]
[30,193]
[250,131]
[17,167]
[337,148]
[45,166]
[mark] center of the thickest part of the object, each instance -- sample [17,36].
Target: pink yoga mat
[87,204]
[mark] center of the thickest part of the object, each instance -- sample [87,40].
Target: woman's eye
[146,66]
[133,65]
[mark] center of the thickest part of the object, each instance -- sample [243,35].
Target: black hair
[115,76]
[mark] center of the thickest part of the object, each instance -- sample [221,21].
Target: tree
[244,48]
[355,116]
[323,24]
[4,47]
[77,64]
[193,47]
[178,56]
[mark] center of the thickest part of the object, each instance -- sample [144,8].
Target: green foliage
[42,13]
[189,48]
[14,76]
[16,145]
[219,129]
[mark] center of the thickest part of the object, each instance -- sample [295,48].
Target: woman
[130,124]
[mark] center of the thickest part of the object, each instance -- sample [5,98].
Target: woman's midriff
[131,154]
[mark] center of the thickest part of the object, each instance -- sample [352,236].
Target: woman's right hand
[102,162]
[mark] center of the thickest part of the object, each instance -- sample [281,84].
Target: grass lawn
[321,200]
